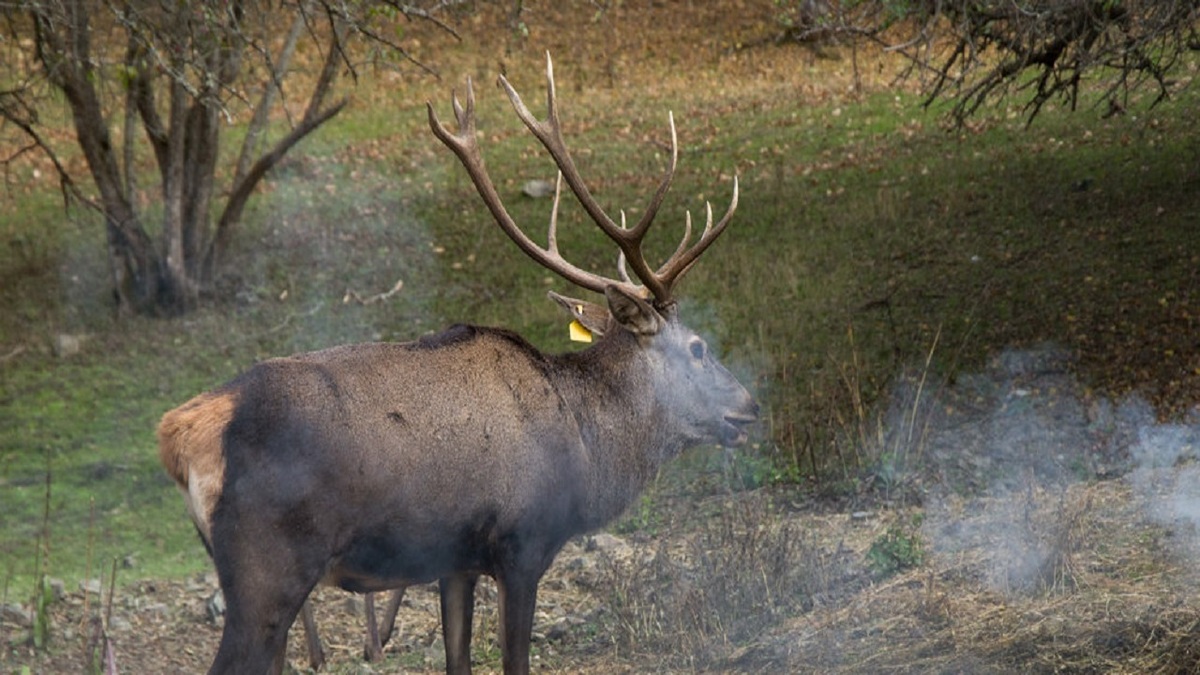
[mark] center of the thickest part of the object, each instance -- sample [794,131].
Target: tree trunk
[68,63]
[135,273]
[177,292]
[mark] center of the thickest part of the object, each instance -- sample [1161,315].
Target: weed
[42,596]
[100,651]
[642,517]
[1040,540]
[898,549]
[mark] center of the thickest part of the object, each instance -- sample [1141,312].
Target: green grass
[864,231]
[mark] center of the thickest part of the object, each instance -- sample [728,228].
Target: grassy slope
[859,216]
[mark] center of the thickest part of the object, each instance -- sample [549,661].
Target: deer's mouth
[733,431]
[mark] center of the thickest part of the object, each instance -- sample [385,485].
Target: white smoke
[1002,449]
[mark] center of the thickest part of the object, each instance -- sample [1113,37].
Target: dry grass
[692,599]
[1107,595]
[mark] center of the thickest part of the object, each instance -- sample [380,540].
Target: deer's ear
[632,312]
[591,316]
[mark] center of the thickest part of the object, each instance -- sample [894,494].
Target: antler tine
[552,234]
[639,230]
[549,132]
[622,269]
[687,236]
[466,122]
[682,259]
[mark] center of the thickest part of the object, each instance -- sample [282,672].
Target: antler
[658,283]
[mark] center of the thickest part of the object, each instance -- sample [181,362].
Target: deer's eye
[697,348]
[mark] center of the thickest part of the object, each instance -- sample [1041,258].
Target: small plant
[753,470]
[898,549]
[101,656]
[39,631]
[642,517]
[40,628]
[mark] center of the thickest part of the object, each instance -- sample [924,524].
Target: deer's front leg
[458,609]
[518,599]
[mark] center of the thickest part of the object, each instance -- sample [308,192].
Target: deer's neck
[624,429]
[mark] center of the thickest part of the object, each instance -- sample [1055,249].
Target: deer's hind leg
[267,571]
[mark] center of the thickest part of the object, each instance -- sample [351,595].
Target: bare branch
[974,52]
[15,111]
[428,14]
[242,191]
[276,71]
[353,296]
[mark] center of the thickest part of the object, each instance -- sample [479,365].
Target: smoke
[1008,451]
[1166,478]
[325,233]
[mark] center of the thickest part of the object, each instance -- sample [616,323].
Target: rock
[119,624]
[559,629]
[607,543]
[58,588]
[158,611]
[354,605]
[66,345]
[215,606]
[16,614]
[92,586]
[537,188]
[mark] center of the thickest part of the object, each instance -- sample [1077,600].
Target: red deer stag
[469,452]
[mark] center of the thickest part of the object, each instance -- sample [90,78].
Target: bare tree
[978,51]
[171,75]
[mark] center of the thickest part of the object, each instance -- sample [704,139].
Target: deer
[463,453]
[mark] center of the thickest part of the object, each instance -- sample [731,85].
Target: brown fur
[189,447]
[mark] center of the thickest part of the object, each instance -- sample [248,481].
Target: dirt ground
[1123,603]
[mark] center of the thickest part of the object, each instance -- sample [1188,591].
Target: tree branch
[242,191]
[987,46]
[10,105]
[274,85]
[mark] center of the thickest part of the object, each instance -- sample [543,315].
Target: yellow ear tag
[579,333]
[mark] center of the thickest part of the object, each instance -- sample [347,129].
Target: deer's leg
[373,646]
[279,662]
[378,636]
[518,598]
[266,575]
[316,655]
[257,618]
[389,615]
[458,610]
